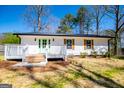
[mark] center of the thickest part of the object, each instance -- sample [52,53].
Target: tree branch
[121,17]
[121,26]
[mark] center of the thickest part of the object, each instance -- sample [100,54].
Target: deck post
[66,58]
[46,54]
[5,50]
[65,54]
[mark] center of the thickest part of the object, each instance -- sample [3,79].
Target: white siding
[100,44]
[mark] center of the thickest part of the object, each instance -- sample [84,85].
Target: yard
[77,72]
[1,57]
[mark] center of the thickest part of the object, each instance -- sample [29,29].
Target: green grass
[37,85]
[110,73]
[58,81]
[119,57]
[50,83]
[1,57]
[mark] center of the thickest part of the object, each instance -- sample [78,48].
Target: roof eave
[63,35]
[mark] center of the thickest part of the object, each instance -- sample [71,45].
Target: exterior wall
[121,47]
[101,45]
[57,45]
[122,39]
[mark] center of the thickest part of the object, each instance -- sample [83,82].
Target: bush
[9,38]
[94,54]
[107,54]
[83,54]
[70,55]
[102,53]
[119,57]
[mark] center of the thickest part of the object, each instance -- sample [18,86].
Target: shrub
[107,54]
[119,57]
[9,38]
[70,55]
[94,54]
[83,54]
[102,53]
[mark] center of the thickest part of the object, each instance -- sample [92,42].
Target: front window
[69,44]
[88,44]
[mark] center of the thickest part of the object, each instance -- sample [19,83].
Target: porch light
[35,39]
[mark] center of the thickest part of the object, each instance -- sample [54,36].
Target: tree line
[85,19]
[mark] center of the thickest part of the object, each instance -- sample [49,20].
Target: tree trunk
[87,32]
[115,46]
[97,26]
[81,28]
[39,25]
[116,32]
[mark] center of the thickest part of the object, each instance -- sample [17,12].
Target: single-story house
[57,45]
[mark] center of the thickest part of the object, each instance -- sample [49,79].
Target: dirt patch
[51,66]
[7,64]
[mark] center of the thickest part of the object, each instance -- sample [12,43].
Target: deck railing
[15,51]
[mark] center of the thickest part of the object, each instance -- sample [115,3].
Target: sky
[12,20]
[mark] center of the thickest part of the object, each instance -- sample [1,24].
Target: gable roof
[70,35]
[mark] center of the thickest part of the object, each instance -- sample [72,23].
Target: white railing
[60,50]
[13,51]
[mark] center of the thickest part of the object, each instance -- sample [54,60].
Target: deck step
[35,58]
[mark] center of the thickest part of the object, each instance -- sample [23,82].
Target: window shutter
[84,44]
[64,41]
[73,44]
[92,45]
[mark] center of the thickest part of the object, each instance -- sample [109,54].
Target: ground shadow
[41,82]
[102,80]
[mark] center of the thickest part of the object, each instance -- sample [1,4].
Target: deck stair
[33,60]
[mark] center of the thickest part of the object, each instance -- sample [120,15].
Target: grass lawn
[1,57]
[81,72]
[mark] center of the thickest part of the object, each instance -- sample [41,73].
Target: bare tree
[88,23]
[36,16]
[98,12]
[116,12]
